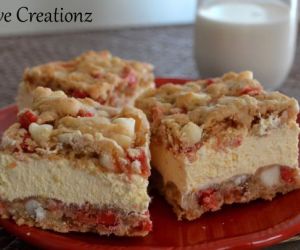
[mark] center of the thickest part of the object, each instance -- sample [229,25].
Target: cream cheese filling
[58,179]
[279,147]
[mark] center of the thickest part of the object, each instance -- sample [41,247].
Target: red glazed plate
[243,226]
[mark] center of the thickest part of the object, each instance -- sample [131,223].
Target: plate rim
[278,233]
[262,238]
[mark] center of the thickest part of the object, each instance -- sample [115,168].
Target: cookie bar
[221,141]
[73,165]
[106,79]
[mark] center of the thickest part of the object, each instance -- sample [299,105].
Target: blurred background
[133,29]
[106,14]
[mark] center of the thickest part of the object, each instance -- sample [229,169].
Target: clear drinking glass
[237,35]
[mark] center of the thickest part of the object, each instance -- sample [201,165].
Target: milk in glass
[237,35]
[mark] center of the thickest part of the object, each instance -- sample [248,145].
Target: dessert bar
[106,79]
[74,165]
[221,141]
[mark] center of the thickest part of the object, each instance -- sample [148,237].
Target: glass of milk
[237,35]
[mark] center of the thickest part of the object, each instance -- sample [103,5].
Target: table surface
[169,49]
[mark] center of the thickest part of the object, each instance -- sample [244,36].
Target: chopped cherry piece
[79,94]
[142,158]
[209,81]
[101,101]
[83,113]
[144,226]
[24,144]
[26,118]
[129,75]
[147,226]
[144,164]
[250,90]
[287,174]
[107,218]
[92,217]
[208,199]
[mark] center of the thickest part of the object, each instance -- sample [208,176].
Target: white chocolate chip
[192,99]
[106,161]
[136,166]
[265,125]
[127,123]
[123,161]
[40,213]
[35,210]
[246,75]
[101,120]
[199,98]
[191,133]
[40,133]
[123,140]
[239,180]
[271,176]
[134,152]
[7,142]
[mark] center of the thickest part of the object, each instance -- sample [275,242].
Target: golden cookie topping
[106,79]
[80,128]
[182,115]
